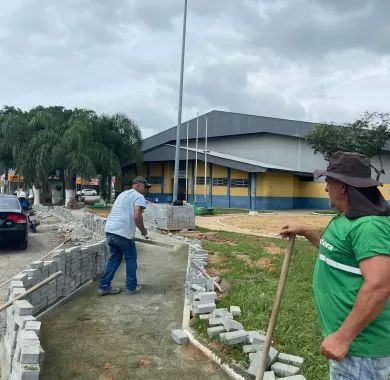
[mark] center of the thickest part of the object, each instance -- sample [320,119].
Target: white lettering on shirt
[325,244]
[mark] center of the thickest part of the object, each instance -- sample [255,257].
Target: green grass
[326,212]
[223,211]
[253,289]
[227,211]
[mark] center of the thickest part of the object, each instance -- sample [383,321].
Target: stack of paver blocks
[62,212]
[222,326]
[167,217]
[20,351]
[94,224]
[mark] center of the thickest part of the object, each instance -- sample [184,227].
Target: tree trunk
[70,189]
[37,195]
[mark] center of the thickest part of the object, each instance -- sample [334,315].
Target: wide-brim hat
[353,169]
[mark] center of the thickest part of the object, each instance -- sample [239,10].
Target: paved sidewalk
[119,337]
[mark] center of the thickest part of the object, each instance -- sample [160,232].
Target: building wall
[269,190]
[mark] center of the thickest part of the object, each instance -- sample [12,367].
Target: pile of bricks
[223,326]
[20,351]
[95,225]
[167,217]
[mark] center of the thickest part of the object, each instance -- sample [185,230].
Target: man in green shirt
[351,279]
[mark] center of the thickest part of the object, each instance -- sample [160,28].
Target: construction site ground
[262,224]
[121,337]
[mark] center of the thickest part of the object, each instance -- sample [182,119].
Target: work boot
[134,291]
[103,292]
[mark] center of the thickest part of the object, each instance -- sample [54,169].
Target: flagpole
[196,156]
[187,165]
[205,166]
[177,152]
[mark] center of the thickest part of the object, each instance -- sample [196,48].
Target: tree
[6,151]
[78,142]
[367,135]
[122,141]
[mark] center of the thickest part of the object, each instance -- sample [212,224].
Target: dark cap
[353,169]
[141,180]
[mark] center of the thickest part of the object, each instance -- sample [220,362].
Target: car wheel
[22,244]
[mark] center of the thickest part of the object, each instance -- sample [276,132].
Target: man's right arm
[139,221]
[293,229]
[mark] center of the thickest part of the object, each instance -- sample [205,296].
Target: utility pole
[177,152]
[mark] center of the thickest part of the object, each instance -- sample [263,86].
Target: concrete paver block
[219,313]
[21,320]
[23,307]
[205,296]
[197,287]
[282,369]
[217,322]
[205,307]
[250,348]
[232,325]
[296,377]
[216,330]
[30,352]
[234,337]
[179,336]
[256,337]
[235,310]
[296,361]
[255,359]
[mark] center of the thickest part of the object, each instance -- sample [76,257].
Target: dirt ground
[261,224]
[123,337]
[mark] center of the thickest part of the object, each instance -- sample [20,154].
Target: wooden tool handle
[275,311]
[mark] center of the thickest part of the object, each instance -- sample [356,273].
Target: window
[154,180]
[200,180]
[239,183]
[219,181]
[305,178]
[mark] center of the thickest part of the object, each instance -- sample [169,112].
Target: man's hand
[289,230]
[334,347]
[144,232]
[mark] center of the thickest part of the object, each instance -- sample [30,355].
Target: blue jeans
[119,247]
[356,368]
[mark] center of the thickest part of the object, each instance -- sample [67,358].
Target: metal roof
[222,123]
[166,152]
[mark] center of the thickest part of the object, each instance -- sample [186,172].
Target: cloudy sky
[314,60]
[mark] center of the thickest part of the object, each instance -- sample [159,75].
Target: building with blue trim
[248,161]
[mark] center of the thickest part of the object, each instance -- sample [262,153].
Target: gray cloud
[311,60]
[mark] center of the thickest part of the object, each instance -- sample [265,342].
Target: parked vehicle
[13,221]
[32,220]
[86,192]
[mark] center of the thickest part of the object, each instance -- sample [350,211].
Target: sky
[312,60]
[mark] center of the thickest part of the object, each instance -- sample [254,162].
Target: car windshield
[9,203]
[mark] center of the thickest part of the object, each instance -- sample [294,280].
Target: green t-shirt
[347,241]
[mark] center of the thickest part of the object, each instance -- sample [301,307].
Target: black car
[13,221]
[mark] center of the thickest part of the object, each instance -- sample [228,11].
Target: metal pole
[176,174]
[43,257]
[196,156]
[205,167]
[33,289]
[187,165]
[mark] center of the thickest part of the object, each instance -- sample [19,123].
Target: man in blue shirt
[125,216]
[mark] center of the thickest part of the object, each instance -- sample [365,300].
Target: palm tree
[121,139]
